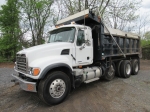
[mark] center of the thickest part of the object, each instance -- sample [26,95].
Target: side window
[80,38]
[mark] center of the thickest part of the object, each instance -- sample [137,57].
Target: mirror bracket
[87,42]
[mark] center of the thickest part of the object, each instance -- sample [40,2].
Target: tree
[147,35]
[117,14]
[9,26]
[36,14]
[142,24]
[120,13]
[70,7]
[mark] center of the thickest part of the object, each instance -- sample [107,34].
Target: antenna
[84,13]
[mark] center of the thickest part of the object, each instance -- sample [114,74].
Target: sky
[146,4]
[145,8]
[2,2]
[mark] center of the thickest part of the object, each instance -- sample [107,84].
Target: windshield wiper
[58,40]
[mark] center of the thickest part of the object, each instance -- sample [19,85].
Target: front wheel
[54,88]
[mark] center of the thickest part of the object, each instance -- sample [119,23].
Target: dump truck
[81,49]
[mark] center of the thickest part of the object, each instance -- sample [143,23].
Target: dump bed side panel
[128,45]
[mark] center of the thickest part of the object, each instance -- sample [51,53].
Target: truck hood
[45,50]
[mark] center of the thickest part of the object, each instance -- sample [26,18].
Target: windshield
[62,35]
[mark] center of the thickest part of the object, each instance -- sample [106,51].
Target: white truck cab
[70,44]
[80,37]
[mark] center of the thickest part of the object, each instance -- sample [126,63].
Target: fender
[50,67]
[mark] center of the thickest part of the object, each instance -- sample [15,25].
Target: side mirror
[82,47]
[87,42]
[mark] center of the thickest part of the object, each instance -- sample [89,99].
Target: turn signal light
[30,87]
[35,71]
[73,22]
[57,26]
[80,67]
[86,16]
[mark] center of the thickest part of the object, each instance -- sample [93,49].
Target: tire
[110,73]
[118,64]
[54,88]
[125,69]
[135,66]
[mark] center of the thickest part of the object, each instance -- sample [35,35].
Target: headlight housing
[34,71]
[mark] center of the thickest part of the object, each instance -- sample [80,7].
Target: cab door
[84,51]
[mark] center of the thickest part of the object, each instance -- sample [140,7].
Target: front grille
[21,63]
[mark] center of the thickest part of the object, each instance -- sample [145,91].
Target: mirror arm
[82,47]
[87,42]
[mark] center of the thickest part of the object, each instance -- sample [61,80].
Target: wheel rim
[136,67]
[57,88]
[111,70]
[128,69]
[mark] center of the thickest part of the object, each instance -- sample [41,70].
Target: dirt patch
[145,64]
[147,82]
[7,65]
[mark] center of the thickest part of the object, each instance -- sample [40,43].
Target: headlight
[33,71]
[15,67]
[30,70]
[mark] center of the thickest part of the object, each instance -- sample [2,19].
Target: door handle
[88,58]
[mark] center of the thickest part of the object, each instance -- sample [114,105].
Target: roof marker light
[86,16]
[57,26]
[73,22]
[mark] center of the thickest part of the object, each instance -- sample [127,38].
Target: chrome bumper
[25,85]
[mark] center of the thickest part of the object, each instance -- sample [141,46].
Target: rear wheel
[54,88]
[118,64]
[125,69]
[110,73]
[135,66]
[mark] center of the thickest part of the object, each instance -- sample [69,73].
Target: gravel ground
[118,95]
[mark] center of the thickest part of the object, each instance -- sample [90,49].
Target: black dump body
[104,45]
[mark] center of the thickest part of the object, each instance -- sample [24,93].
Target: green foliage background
[9,26]
[145,43]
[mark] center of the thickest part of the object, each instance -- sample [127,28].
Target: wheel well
[132,57]
[63,69]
